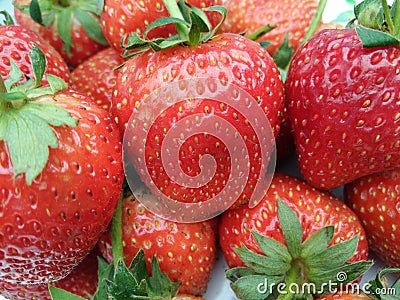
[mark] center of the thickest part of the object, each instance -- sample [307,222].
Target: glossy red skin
[123,17]
[290,16]
[228,57]
[16,44]
[82,282]
[314,208]
[343,106]
[47,228]
[84,47]
[96,77]
[185,251]
[376,200]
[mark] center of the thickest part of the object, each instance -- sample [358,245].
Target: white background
[218,286]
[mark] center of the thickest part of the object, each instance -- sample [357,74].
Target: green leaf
[199,18]
[64,25]
[38,62]
[317,242]
[284,53]
[160,284]
[90,25]
[105,272]
[369,13]
[8,19]
[60,294]
[138,266]
[375,38]
[13,96]
[236,273]
[261,32]
[14,76]
[50,113]
[270,266]
[335,255]
[163,22]
[254,287]
[35,12]
[56,84]
[223,12]
[272,248]
[291,228]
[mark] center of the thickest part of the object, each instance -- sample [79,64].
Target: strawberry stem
[315,21]
[292,278]
[174,12]
[116,231]
[388,17]
[396,18]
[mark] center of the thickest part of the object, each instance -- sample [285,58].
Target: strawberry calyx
[377,23]
[191,23]
[380,283]
[26,124]
[297,270]
[8,19]
[62,12]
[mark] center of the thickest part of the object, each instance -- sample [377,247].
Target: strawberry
[304,236]
[291,17]
[96,76]
[342,90]
[344,296]
[16,44]
[121,18]
[60,176]
[199,80]
[375,199]
[82,281]
[185,251]
[71,27]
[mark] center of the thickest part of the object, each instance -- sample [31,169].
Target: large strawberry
[97,76]
[229,90]
[185,251]
[284,17]
[16,44]
[123,17]
[60,176]
[342,91]
[72,27]
[375,199]
[295,235]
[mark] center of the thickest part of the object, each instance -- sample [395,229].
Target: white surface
[218,286]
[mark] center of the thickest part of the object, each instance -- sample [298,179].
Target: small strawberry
[96,77]
[295,235]
[120,18]
[60,176]
[291,17]
[15,45]
[71,27]
[375,199]
[342,91]
[185,251]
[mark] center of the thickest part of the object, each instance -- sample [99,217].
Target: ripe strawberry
[375,199]
[123,17]
[96,76]
[82,281]
[291,250]
[16,44]
[60,176]
[290,16]
[342,91]
[185,251]
[344,296]
[71,27]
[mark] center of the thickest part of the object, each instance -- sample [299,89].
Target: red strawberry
[96,76]
[344,296]
[185,251]
[290,16]
[291,250]
[375,199]
[16,44]
[342,101]
[123,17]
[60,177]
[82,281]
[71,27]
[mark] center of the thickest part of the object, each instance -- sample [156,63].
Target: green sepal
[236,273]
[159,283]
[14,76]
[261,32]
[272,248]
[90,25]
[317,242]
[8,19]
[375,38]
[335,255]
[64,24]
[370,14]
[57,293]
[268,265]
[380,283]
[291,228]
[38,62]
[105,271]
[35,12]
[162,22]
[254,287]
